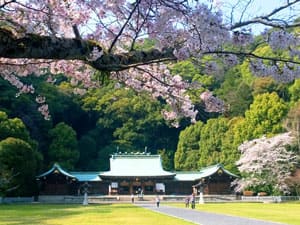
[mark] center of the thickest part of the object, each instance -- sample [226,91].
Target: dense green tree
[186,69]
[64,147]
[230,142]
[88,150]
[5,180]
[100,140]
[133,119]
[186,155]
[264,116]
[190,72]
[268,85]
[235,92]
[263,85]
[294,91]
[212,135]
[13,135]
[12,128]
[167,159]
[63,106]
[105,153]
[22,162]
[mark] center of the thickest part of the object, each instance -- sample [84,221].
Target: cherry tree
[267,162]
[87,39]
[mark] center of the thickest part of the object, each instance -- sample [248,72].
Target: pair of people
[190,199]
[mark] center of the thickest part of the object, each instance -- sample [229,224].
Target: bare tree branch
[124,25]
[6,3]
[267,20]
[253,55]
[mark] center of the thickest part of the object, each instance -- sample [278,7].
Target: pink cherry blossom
[84,38]
[267,161]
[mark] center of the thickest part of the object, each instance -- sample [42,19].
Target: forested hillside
[81,80]
[85,129]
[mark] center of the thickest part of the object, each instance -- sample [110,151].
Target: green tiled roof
[56,168]
[203,173]
[210,170]
[86,176]
[136,165]
[187,176]
[79,176]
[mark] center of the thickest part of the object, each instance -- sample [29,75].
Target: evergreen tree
[211,141]
[22,162]
[186,155]
[264,116]
[64,147]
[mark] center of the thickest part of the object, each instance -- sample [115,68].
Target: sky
[256,8]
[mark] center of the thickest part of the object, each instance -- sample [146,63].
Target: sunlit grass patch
[104,214]
[288,213]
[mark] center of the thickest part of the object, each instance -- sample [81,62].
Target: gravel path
[204,218]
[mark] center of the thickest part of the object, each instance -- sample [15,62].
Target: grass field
[115,214]
[128,214]
[288,213]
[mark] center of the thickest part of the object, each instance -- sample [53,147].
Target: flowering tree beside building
[85,40]
[266,164]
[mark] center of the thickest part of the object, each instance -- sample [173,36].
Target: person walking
[193,199]
[187,202]
[157,200]
[132,198]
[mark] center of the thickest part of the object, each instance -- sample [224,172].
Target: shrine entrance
[136,187]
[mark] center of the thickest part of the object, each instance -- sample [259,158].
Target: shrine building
[138,173]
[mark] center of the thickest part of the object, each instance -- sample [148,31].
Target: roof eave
[135,176]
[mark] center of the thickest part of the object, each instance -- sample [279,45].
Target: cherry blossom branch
[28,62]
[118,62]
[43,47]
[253,55]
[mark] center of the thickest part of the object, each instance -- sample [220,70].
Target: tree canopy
[96,65]
[22,162]
[64,147]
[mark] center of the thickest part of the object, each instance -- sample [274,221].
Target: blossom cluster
[192,30]
[191,34]
[282,73]
[282,40]
[80,74]
[157,80]
[267,161]
[24,89]
[212,103]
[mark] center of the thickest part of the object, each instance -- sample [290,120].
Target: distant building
[140,174]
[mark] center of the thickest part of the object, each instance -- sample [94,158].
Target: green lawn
[288,213]
[115,214]
[128,214]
